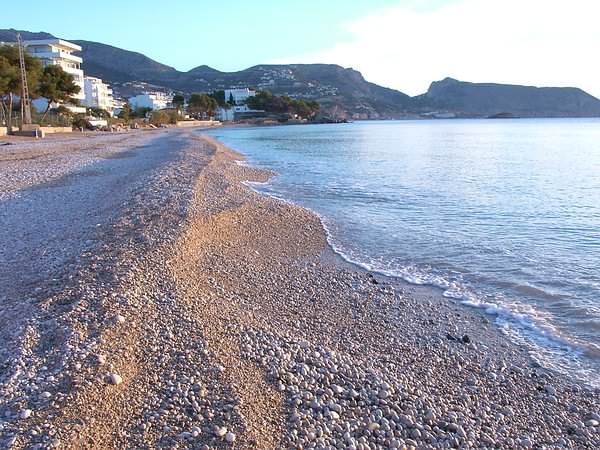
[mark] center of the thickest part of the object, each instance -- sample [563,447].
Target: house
[98,94]
[59,52]
[152,100]
[238,96]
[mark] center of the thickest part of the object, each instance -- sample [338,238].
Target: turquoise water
[502,215]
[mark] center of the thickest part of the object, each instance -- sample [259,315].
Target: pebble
[115,379]
[25,414]
[352,390]
[220,431]
[550,390]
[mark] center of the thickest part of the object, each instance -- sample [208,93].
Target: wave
[521,322]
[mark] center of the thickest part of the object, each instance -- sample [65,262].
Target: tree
[99,112]
[142,112]
[202,105]
[178,101]
[125,112]
[10,77]
[219,96]
[266,101]
[56,86]
[164,116]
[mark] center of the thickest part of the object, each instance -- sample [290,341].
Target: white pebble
[115,378]
[220,431]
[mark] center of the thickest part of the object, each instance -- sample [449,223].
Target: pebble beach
[185,310]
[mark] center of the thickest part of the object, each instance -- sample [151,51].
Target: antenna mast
[25,101]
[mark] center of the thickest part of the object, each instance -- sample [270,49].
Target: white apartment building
[58,52]
[98,94]
[238,95]
[153,100]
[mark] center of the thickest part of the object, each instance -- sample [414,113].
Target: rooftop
[55,41]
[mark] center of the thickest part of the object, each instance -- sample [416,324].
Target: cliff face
[492,99]
[342,92]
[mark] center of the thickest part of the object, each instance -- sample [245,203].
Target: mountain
[118,65]
[342,92]
[489,99]
[10,35]
[334,87]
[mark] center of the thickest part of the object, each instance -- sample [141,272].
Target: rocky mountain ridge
[342,92]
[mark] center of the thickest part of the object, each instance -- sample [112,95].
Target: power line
[25,101]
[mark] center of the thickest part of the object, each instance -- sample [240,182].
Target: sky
[402,44]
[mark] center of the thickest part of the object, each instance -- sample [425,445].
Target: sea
[501,215]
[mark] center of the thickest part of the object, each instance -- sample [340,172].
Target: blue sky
[227,35]
[403,44]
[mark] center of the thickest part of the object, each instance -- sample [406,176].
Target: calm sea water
[502,215]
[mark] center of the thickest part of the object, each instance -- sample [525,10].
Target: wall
[198,123]
[3,131]
[50,130]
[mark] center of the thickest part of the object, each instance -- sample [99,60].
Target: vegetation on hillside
[266,101]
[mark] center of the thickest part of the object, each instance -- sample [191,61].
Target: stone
[25,414]
[550,390]
[373,426]
[220,431]
[383,394]
[115,379]
[230,437]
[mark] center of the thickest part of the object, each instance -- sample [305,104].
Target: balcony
[57,54]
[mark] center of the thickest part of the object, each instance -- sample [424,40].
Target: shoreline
[212,316]
[560,345]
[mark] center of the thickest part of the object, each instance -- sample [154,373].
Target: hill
[117,65]
[10,35]
[490,99]
[342,92]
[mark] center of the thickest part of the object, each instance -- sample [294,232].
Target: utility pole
[25,101]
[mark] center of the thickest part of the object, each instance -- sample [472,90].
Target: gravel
[161,303]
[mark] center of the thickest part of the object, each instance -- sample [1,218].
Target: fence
[51,119]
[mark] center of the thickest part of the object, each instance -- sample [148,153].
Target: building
[152,100]
[58,52]
[225,114]
[238,97]
[98,94]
